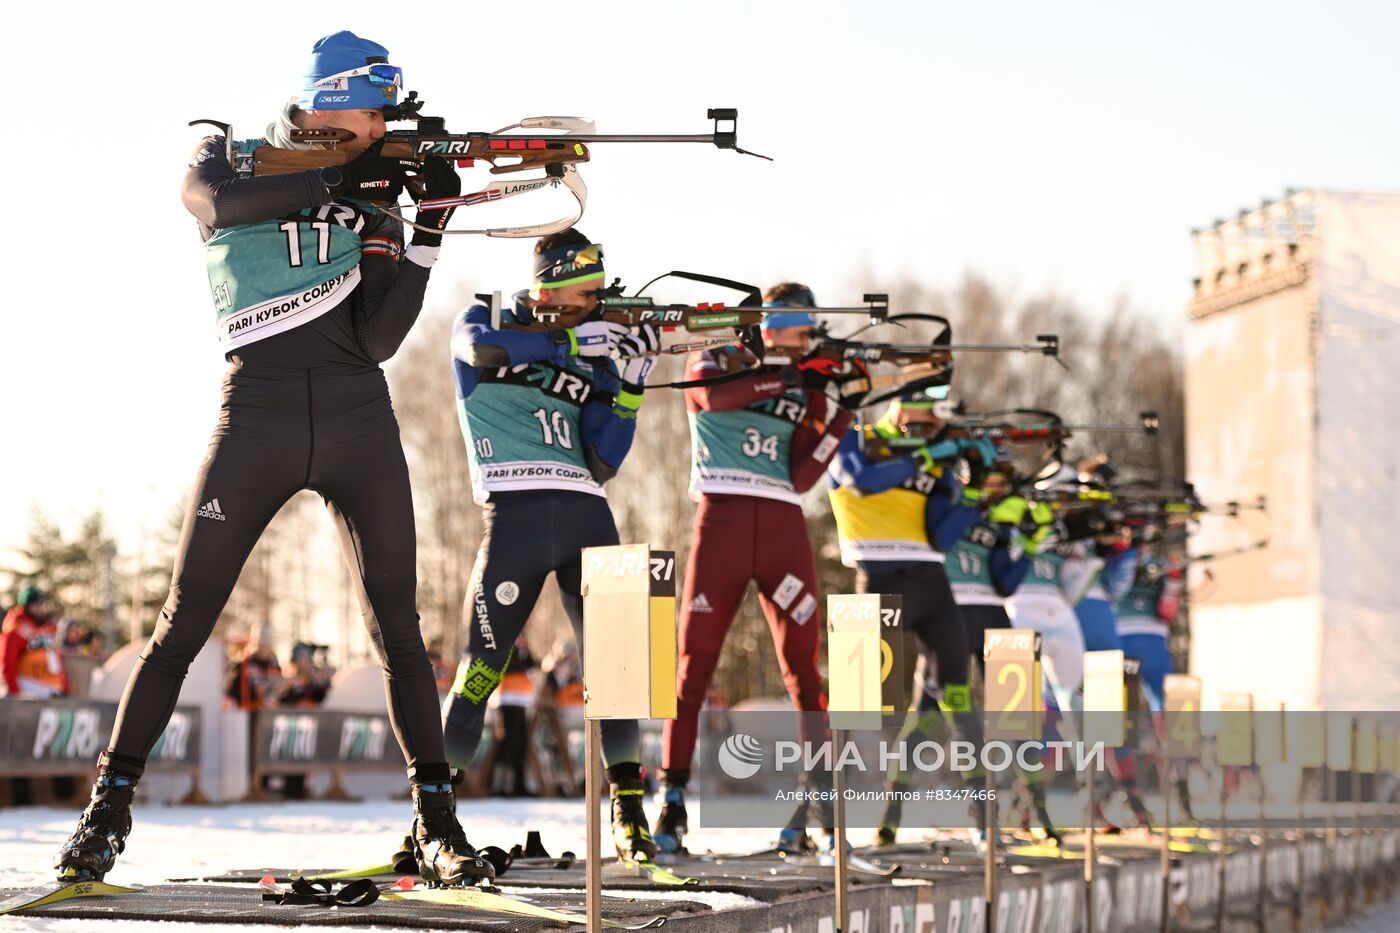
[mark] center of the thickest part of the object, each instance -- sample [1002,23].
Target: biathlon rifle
[917,365]
[960,425]
[1052,430]
[687,327]
[558,155]
[1234,507]
[1231,552]
[1028,425]
[1155,501]
[1146,499]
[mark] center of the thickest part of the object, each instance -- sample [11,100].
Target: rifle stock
[505,154]
[269,160]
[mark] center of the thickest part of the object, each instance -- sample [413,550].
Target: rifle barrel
[628,137]
[742,309]
[999,347]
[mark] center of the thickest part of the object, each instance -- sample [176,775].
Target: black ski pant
[930,614]
[977,619]
[280,431]
[527,535]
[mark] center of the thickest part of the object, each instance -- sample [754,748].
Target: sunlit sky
[1048,146]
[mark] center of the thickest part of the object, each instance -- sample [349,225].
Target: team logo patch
[787,591]
[507,593]
[804,609]
[476,681]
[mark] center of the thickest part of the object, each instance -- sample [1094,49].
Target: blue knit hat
[349,73]
[799,296]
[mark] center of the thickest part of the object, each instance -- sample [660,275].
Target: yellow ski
[54,891]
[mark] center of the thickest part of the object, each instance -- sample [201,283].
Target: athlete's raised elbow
[476,353]
[601,470]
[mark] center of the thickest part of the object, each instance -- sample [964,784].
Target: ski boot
[1140,814]
[1103,824]
[1183,795]
[977,832]
[403,860]
[889,822]
[93,848]
[672,824]
[1042,813]
[1023,815]
[793,840]
[629,820]
[439,845]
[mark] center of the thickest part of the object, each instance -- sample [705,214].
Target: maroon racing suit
[757,443]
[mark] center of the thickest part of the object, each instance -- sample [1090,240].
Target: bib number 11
[323,241]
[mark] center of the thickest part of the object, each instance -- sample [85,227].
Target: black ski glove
[437,178]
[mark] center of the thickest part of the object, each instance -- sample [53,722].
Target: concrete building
[1293,393]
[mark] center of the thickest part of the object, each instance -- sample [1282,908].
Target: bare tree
[80,574]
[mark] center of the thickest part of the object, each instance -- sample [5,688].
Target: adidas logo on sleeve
[211,509]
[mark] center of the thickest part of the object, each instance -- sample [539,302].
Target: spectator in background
[443,673]
[29,649]
[305,685]
[307,680]
[71,635]
[252,675]
[32,667]
[75,637]
[564,674]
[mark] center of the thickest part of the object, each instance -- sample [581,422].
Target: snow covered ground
[182,842]
[179,842]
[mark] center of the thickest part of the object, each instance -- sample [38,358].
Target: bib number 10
[555,428]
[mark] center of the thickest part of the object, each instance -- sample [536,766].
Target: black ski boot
[1105,826]
[1183,795]
[1140,813]
[440,846]
[673,823]
[629,819]
[793,838]
[1042,813]
[93,848]
[1141,818]
[888,829]
[403,860]
[977,831]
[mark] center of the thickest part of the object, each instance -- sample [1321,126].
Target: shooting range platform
[938,886]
